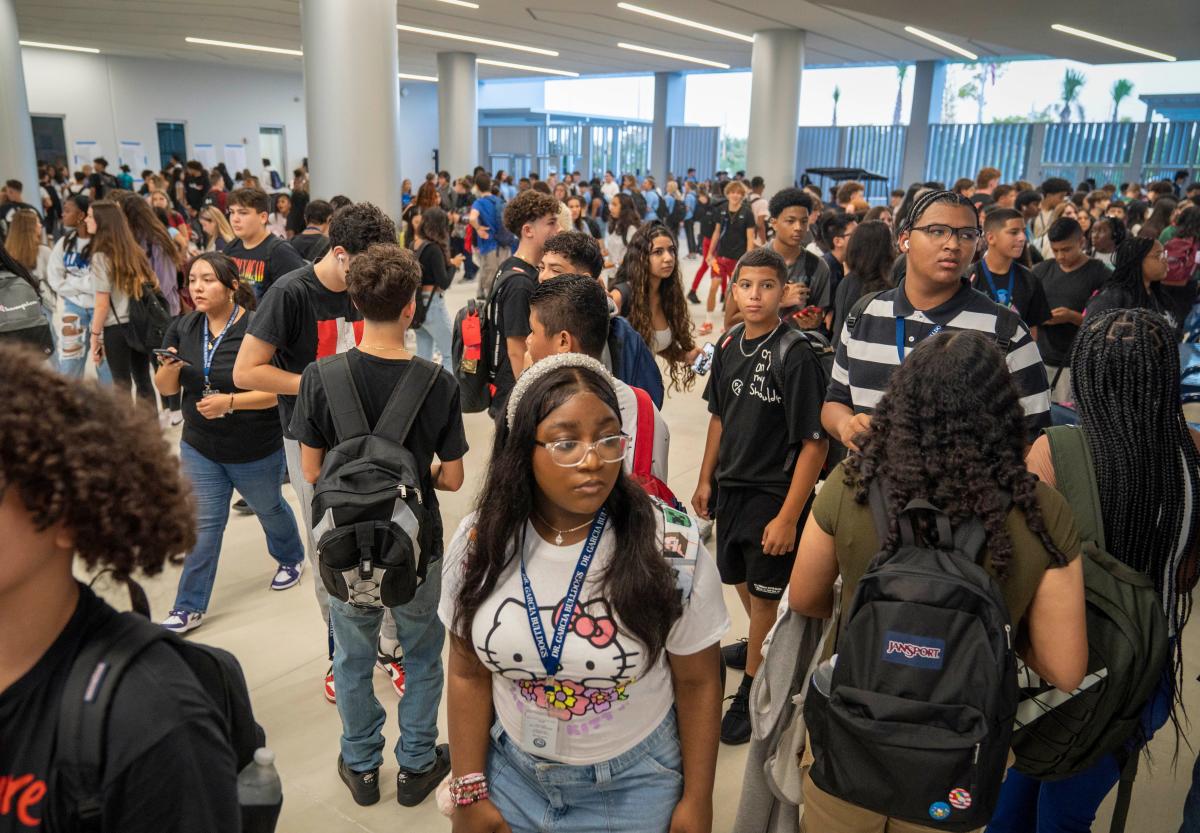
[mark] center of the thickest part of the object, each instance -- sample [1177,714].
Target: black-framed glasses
[939,232]
[571,453]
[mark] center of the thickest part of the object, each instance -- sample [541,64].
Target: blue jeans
[213,484]
[74,366]
[1069,806]
[636,790]
[421,636]
[435,332]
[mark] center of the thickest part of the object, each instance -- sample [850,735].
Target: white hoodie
[69,271]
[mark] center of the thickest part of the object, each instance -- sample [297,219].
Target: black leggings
[129,367]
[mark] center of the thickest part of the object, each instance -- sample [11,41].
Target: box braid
[930,198]
[1125,372]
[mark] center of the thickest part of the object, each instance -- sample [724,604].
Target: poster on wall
[235,157]
[133,154]
[84,151]
[206,154]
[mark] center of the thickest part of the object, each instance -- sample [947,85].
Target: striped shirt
[866,358]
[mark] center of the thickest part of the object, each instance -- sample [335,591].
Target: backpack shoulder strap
[879,511]
[1007,323]
[341,394]
[406,400]
[643,443]
[811,262]
[857,310]
[734,332]
[787,338]
[83,714]
[1076,478]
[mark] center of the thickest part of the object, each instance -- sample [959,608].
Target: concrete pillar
[458,116]
[928,83]
[585,150]
[352,100]
[669,95]
[17,157]
[1037,152]
[776,64]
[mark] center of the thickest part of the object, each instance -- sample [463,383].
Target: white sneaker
[176,418]
[288,575]
[182,621]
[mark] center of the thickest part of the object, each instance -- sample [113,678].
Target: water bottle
[260,793]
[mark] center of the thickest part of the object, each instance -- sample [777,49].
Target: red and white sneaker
[330,694]
[394,668]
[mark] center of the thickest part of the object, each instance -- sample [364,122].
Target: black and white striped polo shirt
[866,358]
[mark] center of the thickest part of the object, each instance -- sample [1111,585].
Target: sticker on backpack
[939,811]
[917,651]
[960,799]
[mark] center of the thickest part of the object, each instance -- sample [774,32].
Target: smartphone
[703,362]
[167,354]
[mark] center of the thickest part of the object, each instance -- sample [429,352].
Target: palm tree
[837,93]
[1072,83]
[1121,89]
[901,72]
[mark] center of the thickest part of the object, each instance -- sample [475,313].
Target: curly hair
[84,456]
[528,207]
[359,226]
[959,443]
[670,296]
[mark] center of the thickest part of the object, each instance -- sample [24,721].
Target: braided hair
[959,443]
[1125,373]
[930,198]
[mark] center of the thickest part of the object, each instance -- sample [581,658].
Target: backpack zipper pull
[1008,636]
[403,491]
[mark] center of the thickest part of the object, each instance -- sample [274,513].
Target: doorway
[171,142]
[49,140]
[272,146]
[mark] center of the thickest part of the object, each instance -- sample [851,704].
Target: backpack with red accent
[1183,259]
[643,452]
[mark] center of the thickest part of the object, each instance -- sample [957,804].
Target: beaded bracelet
[469,789]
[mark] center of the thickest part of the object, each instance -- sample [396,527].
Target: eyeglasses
[571,453]
[966,234]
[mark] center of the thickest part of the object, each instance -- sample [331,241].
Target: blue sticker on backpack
[916,651]
[939,811]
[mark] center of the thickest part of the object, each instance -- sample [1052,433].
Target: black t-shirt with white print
[762,426]
[304,321]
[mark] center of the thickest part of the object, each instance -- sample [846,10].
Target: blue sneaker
[288,575]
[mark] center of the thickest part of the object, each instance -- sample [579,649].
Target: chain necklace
[382,347]
[558,537]
[742,341]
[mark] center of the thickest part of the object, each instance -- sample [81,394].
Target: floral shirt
[607,698]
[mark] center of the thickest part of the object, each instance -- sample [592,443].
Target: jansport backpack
[21,317]
[916,721]
[373,531]
[1059,735]
[91,685]
[1183,259]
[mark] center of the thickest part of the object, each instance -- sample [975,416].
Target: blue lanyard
[551,654]
[1004,297]
[210,352]
[900,326]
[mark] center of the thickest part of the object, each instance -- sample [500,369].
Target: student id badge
[540,731]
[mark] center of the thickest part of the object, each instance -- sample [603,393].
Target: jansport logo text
[910,650]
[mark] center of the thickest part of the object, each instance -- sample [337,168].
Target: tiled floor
[280,641]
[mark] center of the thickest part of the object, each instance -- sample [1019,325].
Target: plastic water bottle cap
[264,756]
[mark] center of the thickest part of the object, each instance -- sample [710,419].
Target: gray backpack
[21,317]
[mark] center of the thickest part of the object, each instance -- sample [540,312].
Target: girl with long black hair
[869,258]
[1136,281]
[623,735]
[1125,374]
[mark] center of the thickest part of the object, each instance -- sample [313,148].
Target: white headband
[549,365]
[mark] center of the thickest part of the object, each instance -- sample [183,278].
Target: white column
[776,64]
[458,115]
[17,157]
[668,111]
[929,80]
[352,100]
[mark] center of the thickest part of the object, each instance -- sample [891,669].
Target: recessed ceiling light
[408,76]
[250,46]
[61,46]
[945,44]
[683,21]
[677,56]
[527,68]
[461,3]
[1119,44]
[472,39]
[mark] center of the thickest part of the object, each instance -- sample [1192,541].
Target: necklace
[558,536]
[381,347]
[742,340]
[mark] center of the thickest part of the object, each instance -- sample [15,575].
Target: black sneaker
[693,298]
[241,507]
[735,655]
[735,725]
[364,786]
[414,787]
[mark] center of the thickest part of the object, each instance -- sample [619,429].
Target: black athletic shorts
[742,514]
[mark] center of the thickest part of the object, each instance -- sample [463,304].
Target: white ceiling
[585,32]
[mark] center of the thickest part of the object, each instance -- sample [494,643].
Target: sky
[868,94]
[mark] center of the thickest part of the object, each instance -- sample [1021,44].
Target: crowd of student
[881,394]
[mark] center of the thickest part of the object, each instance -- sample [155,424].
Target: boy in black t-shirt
[261,257]
[999,276]
[764,451]
[532,217]
[382,284]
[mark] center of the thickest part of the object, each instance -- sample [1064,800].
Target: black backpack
[639,201]
[148,320]
[677,213]
[475,348]
[21,317]
[1059,735]
[370,520]
[660,210]
[916,721]
[78,777]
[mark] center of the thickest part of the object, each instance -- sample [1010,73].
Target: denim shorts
[635,791]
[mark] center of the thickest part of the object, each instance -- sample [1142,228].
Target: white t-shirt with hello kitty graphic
[607,698]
